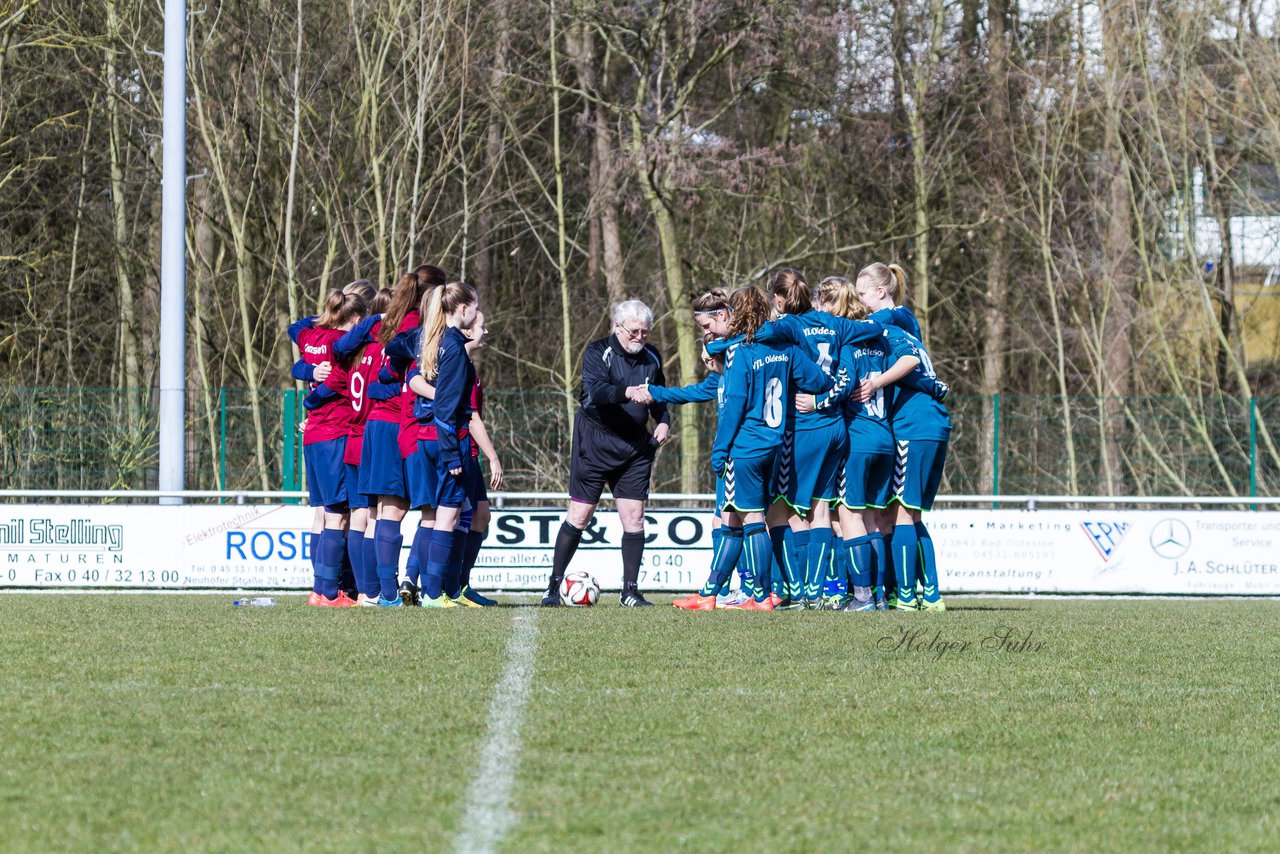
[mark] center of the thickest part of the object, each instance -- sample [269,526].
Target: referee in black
[612,444]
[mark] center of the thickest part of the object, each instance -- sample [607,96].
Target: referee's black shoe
[552,597]
[631,598]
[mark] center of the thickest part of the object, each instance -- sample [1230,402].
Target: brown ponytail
[791,291]
[750,312]
[339,309]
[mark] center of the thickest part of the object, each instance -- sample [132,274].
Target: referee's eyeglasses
[632,332]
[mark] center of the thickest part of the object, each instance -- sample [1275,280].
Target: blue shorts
[450,490]
[477,490]
[420,480]
[917,472]
[866,480]
[381,466]
[809,469]
[748,483]
[356,500]
[327,474]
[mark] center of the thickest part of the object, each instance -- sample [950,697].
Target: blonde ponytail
[891,277]
[440,303]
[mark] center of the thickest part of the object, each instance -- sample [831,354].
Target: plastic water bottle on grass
[255,602]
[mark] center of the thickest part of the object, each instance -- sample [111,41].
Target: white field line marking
[488,814]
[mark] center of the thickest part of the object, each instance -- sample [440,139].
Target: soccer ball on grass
[579,589]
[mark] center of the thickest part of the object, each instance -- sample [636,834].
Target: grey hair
[632,309]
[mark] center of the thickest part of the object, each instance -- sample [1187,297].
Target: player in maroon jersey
[324,445]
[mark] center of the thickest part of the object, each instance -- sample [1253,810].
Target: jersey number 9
[357,391]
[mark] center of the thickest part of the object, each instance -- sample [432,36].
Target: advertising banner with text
[1017,551]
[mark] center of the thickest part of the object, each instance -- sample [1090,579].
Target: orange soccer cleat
[696,602]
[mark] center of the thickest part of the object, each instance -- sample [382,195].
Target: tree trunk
[1117,290]
[120,231]
[602,173]
[995,308]
[673,274]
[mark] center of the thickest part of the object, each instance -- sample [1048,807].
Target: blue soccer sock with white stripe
[726,557]
[781,559]
[758,551]
[906,556]
[387,542]
[928,564]
[329,562]
[819,557]
[708,587]
[860,556]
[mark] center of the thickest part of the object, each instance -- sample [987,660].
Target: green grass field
[179,722]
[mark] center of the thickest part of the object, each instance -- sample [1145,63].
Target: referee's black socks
[632,555]
[566,545]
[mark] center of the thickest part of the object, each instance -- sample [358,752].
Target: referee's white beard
[632,346]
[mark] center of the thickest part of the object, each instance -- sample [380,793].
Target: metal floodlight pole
[173,255]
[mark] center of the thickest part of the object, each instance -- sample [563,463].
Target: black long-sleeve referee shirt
[607,371]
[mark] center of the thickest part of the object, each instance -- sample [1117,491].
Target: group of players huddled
[830,442]
[394,422]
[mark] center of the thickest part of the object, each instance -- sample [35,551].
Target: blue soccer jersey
[869,429]
[916,414]
[759,381]
[899,316]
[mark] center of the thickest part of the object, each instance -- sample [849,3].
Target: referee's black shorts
[600,458]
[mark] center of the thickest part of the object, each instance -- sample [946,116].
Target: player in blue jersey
[760,380]
[867,478]
[880,287]
[812,452]
[921,429]
[443,361]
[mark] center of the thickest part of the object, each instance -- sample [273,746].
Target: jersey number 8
[773,403]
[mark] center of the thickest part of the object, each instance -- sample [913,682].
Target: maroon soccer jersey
[392,409]
[327,422]
[359,380]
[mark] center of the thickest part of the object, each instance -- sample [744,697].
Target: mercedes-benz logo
[1170,538]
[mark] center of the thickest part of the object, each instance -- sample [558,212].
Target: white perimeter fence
[984,543]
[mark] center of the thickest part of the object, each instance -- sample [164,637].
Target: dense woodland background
[1031,164]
